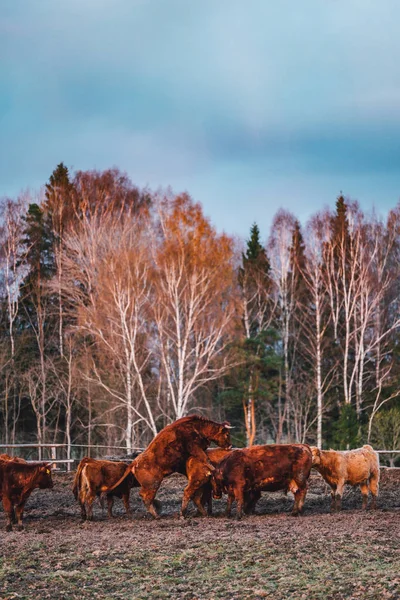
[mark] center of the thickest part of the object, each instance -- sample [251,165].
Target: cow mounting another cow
[168,452]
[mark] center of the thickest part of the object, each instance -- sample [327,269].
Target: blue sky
[248,106]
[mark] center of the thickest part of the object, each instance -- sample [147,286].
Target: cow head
[223,436]
[217,484]
[43,479]
[316,456]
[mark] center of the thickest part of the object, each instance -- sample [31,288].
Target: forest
[124,309]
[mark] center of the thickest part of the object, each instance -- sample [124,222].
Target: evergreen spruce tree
[346,430]
[257,349]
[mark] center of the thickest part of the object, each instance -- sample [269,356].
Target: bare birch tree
[279,246]
[109,276]
[194,300]
[315,315]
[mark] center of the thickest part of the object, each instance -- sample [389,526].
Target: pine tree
[59,203]
[255,281]
[60,211]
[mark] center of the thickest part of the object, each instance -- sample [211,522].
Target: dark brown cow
[199,488]
[264,468]
[17,481]
[171,448]
[93,477]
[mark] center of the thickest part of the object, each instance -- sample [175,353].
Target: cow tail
[77,479]
[124,476]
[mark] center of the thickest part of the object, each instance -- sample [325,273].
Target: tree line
[124,309]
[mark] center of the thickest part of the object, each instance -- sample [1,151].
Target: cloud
[202,93]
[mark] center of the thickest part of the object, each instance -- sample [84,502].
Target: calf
[263,468]
[17,481]
[199,488]
[354,467]
[93,477]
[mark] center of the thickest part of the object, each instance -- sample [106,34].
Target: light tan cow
[352,467]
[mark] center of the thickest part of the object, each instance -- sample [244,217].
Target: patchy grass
[270,555]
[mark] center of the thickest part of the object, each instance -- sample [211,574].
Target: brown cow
[199,474]
[199,488]
[354,467]
[17,481]
[171,448]
[263,468]
[93,477]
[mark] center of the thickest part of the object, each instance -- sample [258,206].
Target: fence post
[54,456]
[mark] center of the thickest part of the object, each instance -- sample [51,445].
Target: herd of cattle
[182,447]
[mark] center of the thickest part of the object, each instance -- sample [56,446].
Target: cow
[168,452]
[263,468]
[199,488]
[93,477]
[17,481]
[353,467]
[199,474]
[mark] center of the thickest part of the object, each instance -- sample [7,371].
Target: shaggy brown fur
[171,448]
[353,467]
[263,468]
[14,458]
[199,487]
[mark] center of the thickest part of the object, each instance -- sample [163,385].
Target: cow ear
[315,452]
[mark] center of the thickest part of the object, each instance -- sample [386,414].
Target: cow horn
[229,426]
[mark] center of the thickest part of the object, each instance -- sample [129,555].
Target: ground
[352,554]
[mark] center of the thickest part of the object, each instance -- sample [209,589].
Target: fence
[57,453]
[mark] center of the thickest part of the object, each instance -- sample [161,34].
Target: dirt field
[269,555]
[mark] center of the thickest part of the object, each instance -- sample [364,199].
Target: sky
[247,105]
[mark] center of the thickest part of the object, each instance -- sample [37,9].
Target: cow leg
[90,498]
[239,497]
[299,497]
[250,501]
[193,491]
[110,504]
[125,499]
[148,495]
[333,499]
[339,495]
[19,509]
[198,500]
[9,510]
[231,498]
[364,491]
[206,498]
[83,510]
[82,500]
[188,494]
[374,487]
